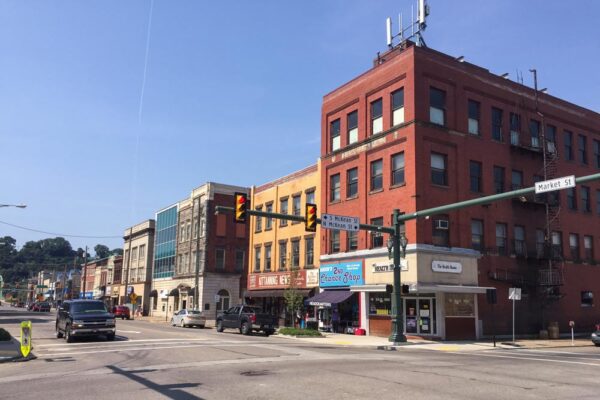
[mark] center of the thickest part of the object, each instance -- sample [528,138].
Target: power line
[60,234]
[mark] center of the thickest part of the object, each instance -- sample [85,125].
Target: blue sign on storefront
[341,275]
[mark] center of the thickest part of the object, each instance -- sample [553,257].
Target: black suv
[84,318]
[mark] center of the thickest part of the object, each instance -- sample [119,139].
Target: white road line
[530,358]
[122,342]
[128,331]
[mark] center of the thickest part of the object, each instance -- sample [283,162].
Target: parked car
[122,312]
[246,319]
[42,306]
[596,335]
[84,318]
[185,318]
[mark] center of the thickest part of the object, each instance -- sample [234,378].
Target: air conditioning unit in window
[442,224]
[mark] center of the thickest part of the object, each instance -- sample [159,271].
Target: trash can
[553,332]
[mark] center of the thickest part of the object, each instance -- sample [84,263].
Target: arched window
[223,303]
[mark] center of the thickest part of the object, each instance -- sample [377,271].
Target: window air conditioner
[442,224]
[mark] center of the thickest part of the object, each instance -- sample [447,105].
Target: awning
[450,288]
[154,293]
[329,297]
[274,293]
[174,292]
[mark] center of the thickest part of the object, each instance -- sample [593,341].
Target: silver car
[185,318]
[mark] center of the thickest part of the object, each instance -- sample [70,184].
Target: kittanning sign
[281,280]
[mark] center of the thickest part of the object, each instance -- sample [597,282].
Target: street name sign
[330,221]
[514,294]
[555,184]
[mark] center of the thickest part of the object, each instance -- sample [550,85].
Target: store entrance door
[419,315]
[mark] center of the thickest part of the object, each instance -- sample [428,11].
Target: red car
[122,312]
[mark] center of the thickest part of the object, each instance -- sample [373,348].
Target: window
[258,221]
[134,254]
[474,117]
[376,175]
[220,260]
[497,124]
[398,107]
[475,175]
[351,240]
[571,199]
[516,179]
[352,183]
[282,256]
[310,197]
[550,139]
[376,116]
[334,134]
[376,237]
[257,259]
[283,208]
[498,179]
[398,169]
[534,132]
[188,231]
[296,205]
[380,303]
[438,169]
[520,248]
[309,245]
[501,239]
[441,229]
[588,248]
[334,241]
[240,256]
[515,128]
[196,228]
[194,259]
[295,253]
[574,246]
[477,234]
[182,233]
[556,242]
[269,221]
[334,187]
[568,141]
[582,149]
[437,106]
[267,257]
[585,199]
[352,121]
[142,252]
[597,153]
[587,299]
[540,243]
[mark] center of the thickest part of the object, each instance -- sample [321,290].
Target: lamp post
[398,249]
[14,205]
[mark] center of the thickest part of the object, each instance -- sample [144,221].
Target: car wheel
[68,336]
[58,332]
[122,318]
[219,326]
[246,328]
[182,324]
[268,332]
[110,337]
[597,344]
[201,326]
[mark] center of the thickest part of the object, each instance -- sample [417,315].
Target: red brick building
[422,129]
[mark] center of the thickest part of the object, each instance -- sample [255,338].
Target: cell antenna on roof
[414,30]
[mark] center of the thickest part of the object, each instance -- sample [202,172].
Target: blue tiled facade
[165,243]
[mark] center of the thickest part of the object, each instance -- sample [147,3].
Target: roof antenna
[414,30]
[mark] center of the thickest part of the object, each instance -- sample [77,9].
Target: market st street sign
[555,184]
[342,222]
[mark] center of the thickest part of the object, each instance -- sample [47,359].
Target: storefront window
[380,304]
[459,305]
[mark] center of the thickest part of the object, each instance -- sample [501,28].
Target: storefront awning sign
[341,275]
[379,267]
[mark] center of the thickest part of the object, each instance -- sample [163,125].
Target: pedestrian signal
[310,224]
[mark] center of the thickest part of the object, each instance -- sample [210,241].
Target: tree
[293,298]
[102,251]
[116,252]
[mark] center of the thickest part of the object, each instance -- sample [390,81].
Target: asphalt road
[157,361]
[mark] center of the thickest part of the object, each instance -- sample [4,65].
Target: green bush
[4,336]
[299,332]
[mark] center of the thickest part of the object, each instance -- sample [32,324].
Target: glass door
[419,316]
[410,311]
[425,316]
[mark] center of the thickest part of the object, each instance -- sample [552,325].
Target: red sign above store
[281,280]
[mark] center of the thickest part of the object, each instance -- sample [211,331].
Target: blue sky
[232,94]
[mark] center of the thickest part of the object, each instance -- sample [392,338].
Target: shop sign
[342,274]
[276,280]
[312,277]
[446,266]
[388,266]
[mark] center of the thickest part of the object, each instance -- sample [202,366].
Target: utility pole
[197,266]
[84,271]
[128,256]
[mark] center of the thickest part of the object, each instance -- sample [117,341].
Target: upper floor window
[351,240]
[283,208]
[219,259]
[437,106]
[282,256]
[240,255]
[376,116]
[376,237]
[597,153]
[352,122]
[310,197]
[296,205]
[267,257]
[439,174]
[517,179]
[475,176]
[501,239]
[556,243]
[515,129]
[519,245]
[540,243]
[498,179]
[398,169]
[257,259]
[585,199]
[574,246]
[588,248]
[497,124]
[474,117]
[376,175]
[534,132]
[568,142]
[441,231]
[268,220]
[477,234]
[572,199]
[352,183]
[582,149]
[398,107]
[309,245]
[258,223]
[550,138]
[334,241]
[334,133]
[334,187]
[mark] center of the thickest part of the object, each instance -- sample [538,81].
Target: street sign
[330,221]
[25,338]
[555,184]
[217,298]
[514,294]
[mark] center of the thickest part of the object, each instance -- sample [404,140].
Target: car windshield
[195,312]
[92,307]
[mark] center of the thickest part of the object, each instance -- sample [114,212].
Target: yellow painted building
[278,247]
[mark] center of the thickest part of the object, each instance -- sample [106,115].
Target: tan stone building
[138,253]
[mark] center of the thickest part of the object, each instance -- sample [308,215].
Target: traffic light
[241,204]
[405,289]
[310,214]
